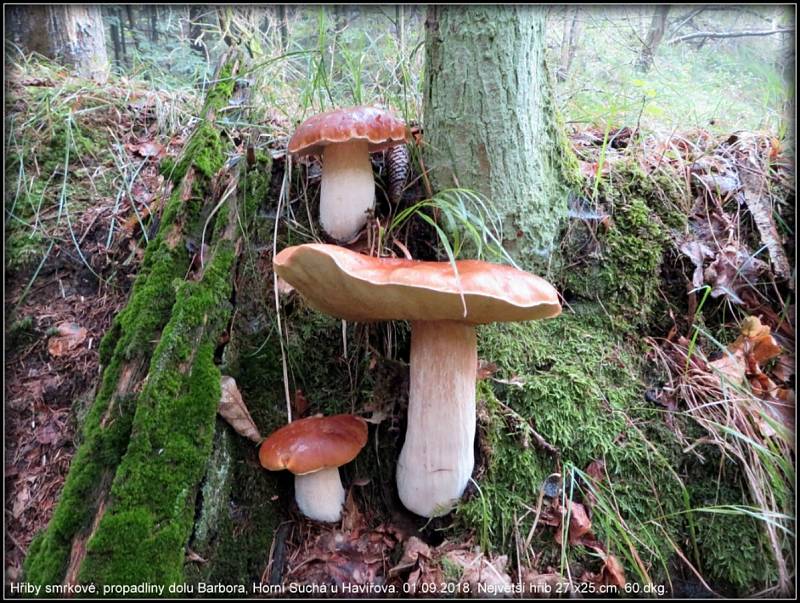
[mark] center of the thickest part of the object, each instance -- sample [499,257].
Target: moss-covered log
[128,504]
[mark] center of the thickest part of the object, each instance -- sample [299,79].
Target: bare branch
[730,34]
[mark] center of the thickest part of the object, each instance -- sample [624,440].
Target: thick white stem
[437,457]
[320,494]
[347,190]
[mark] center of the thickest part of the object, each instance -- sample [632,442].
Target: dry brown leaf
[232,408]
[194,557]
[352,518]
[21,501]
[70,336]
[483,575]
[485,369]
[596,470]
[147,149]
[733,269]
[579,523]
[300,403]
[413,549]
[730,368]
[612,573]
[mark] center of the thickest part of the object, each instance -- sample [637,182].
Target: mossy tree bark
[128,505]
[490,123]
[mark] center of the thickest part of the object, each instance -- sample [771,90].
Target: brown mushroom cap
[314,443]
[380,128]
[360,288]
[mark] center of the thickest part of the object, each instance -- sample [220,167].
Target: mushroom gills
[437,457]
[320,494]
[347,191]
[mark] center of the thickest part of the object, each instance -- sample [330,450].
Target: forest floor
[69,270]
[730,262]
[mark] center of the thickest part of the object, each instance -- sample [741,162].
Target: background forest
[642,441]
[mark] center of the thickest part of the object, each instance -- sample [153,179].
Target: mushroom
[437,457]
[313,449]
[345,138]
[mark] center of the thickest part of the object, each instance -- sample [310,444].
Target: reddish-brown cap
[360,288]
[315,443]
[380,128]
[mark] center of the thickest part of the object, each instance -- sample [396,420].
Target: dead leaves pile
[742,365]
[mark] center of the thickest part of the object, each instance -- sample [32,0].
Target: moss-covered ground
[579,381]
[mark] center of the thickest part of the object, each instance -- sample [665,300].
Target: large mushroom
[313,449]
[345,138]
[437,457]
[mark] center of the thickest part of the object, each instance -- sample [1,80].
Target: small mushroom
[313,449]
[345,138]
[437,457]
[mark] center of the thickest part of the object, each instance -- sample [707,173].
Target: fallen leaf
[613,573]
[485,369]
[146,149]
[733,269]
[194,557]
[70,336]
[413,549]
[482,574]
[300,403]
[21,502]
[232,408]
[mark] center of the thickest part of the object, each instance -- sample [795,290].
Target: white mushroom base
[320,495]
[347,190]
[437,458]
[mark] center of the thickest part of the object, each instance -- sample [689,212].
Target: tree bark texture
[489,120]
[71,34]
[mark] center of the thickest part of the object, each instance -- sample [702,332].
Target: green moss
[579,390]
[142,534]
[621,265]
[735,553]
[220,93]
[20,332]
[205,151]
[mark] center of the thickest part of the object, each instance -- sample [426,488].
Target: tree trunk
[283,26]
[490,122]
[196,29]
[657,27]
[128,505]
[118,56]
[153,10]
[121,23]
[71,34]
[568,45]
[132,26]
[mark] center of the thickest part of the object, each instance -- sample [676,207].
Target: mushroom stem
[320,495]
[347,189]
[437,457]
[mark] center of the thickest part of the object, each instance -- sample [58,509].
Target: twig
[730,34]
